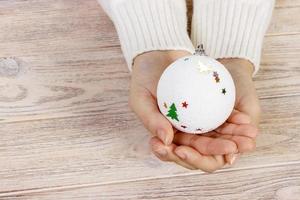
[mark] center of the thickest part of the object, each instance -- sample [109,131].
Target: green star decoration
[224,91]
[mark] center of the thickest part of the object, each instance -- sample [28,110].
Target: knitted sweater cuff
[232,28]
[145,25]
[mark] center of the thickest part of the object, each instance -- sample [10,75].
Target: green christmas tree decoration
[172,113]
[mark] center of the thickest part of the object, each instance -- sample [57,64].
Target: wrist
[158,58]
[239,66]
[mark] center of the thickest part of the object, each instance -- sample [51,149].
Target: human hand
[242,126]
[192,151]
[247,102]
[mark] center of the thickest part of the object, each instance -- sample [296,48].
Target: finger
[166,153]
[244,144]
[145,106]
[194,158]
[237,117]
[252,108]
[206,145]
[247,130]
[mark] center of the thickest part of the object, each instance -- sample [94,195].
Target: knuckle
[148,123]
[251,146]
[211,169]
[153,143]
[160,157]
[193,140]
[207,168]
[193,168]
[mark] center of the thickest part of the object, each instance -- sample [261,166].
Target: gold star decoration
[216,75]
[165,105]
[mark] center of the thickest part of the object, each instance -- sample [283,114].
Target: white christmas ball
[196,94]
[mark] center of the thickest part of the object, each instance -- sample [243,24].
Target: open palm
[207,152]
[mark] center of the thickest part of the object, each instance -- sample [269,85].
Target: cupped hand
[205,152]
[247,102]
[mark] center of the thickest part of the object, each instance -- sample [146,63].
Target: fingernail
[163,136]
[232,158]
[161,152]
[181,155]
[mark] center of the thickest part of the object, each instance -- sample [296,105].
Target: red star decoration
[185,104]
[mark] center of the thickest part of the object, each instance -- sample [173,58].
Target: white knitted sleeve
[232,28]
[147,25]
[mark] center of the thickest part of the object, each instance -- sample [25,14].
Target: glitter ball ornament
[196,93]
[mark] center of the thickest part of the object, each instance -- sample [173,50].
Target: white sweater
[226,28]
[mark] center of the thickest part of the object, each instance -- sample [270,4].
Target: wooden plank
[63,67]
[279,69]
[62,85]
[112,146]
[70,56]
[282,23]
[280,182]
[49,27]
[73,84]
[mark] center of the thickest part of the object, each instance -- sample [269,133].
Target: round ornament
[196,93]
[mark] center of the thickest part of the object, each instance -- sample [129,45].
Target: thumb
[143,103]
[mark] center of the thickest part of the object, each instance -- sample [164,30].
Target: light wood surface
[276,182]
[67,132]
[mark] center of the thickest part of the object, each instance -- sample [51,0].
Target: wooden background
[66,131]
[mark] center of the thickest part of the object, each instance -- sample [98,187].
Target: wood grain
[81,83]
[112,146]
[279,72]
[282,23]
[63,67]
[70,84]
[65,123]
[269,183]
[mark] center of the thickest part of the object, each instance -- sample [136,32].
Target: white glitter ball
[196,94]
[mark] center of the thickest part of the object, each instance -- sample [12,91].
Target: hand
[191,151]
[242,126]
[246,101]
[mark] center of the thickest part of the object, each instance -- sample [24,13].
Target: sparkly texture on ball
[196,94]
